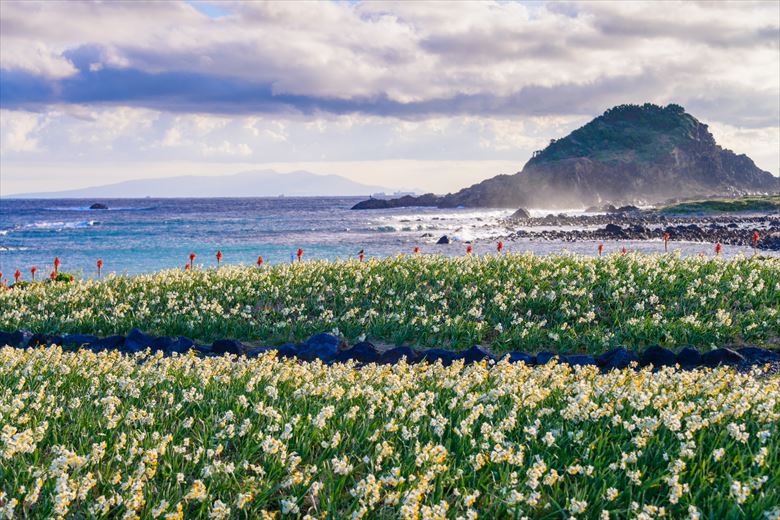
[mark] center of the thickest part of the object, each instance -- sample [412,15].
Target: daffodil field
[109,435]
[561,303]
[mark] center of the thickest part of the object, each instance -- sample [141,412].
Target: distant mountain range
[631,154]
[258,183]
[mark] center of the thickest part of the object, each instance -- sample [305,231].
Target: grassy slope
[769,203]
[508,302]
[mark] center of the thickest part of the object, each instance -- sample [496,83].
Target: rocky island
[632,154]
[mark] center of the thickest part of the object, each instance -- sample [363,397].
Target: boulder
[394,355]
[78,340]
[474,355]
[180,345]
[758,356]
[689,358]
[98,205]
[658,357]
[617,358]
[137,341]
[109,342]
[363,352]
[613,229]
[579,360]
[542,358]
[44,340]
[254,352]
[18,338]
[322,346]
[520,357]
[520,214]
[444,240]
[227,346]
[721,356]
[432,355]
[627,209]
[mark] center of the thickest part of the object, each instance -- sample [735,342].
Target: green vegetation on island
[765,204]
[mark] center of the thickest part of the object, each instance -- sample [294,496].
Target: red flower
[299,254]
[755,238]
[56,264]
[99,266]
[361,256]
[259,261]
[718,248]
[500,247]
[192,259]
[623,251]
[601,249]
[33,270]
[186,267]
[17,275]
[417,250]
[219,257]
[53,275]
[469,249]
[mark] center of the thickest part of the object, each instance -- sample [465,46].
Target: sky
[430,96]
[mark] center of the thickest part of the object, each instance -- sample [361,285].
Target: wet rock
[394,355]
[44,340]
[758,356]
[254,352]
[98,205]
[521,357]
[521,213]
[617,358]
[579,360]
[136,341]
[444,240]
[721,356]
[179,345]
[17,338]
[689,358]
[227,346]
[613,229]
[627,209]
[109,342]
[542,358]
[432,355]
[78,340]
[288,350]
[363,352]
[658,357]
[474,355]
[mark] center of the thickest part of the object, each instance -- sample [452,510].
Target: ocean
[144,235]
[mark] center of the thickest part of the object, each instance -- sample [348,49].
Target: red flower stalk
[417,250]
[500,247]
[192,259]
[259,261]
[623,251]
[601,249]
[53,275]
[718,248]
[361,256]
[666,241]
[756,237]
[299,254]
[56,264]
[469,249]
[33,270]
[99,266]
[186,267]
[17,275]
[219,257]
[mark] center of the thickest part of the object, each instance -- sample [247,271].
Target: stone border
[330,349]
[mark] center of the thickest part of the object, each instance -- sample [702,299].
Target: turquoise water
[145,235]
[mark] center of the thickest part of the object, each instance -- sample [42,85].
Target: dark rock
[689,358]
[613,229]
[288,350]
[18,338]
[521,213]
[254,352]
[627,209]
[407,201]
[474,355]
[521,357]
[162,343]
[394,355]
[444,240]
[137,341]
[618,358]
[432,355]
[721,356]
[363,352]
[658,357]
[109,342]
[180,345]
[321,346]
[542,358]
[44,340]
[98,205]
[78,340]
[755,355]
[201,349]
[579,360]
[227,346]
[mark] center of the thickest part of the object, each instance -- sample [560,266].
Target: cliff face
[630,154]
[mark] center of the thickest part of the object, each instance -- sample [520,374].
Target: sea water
[145,235]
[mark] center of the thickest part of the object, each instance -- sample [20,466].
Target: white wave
[87,208]
[62,225]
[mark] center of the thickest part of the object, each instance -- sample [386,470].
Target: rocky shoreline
[331,349]
[647,225]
